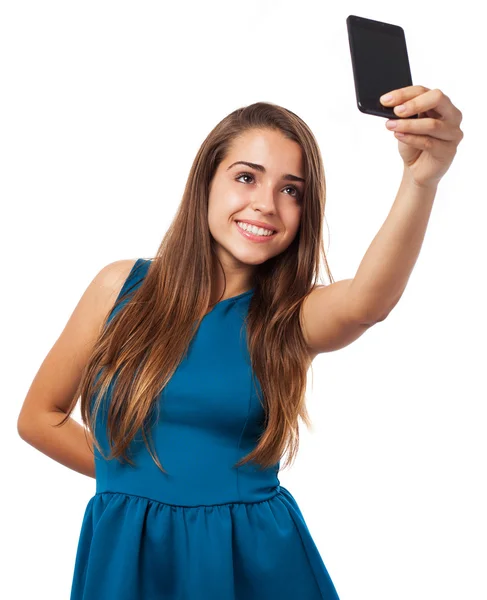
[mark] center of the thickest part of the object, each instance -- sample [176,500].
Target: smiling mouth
[254,237]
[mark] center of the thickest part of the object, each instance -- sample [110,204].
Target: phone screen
[380,62]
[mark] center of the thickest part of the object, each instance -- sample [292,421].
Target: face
[239,192]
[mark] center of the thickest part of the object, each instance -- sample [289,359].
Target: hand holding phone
[380,63]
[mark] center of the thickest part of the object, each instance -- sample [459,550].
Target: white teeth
[253,229]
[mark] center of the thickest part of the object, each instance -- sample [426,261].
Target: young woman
[191,366]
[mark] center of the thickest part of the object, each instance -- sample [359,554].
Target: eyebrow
[261,168]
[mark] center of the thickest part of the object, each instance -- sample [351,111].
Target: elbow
[381,318]
[372,319]
[23,427]
[373,316]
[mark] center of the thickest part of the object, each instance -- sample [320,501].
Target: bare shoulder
[103,290]
[111,278]
[330,318]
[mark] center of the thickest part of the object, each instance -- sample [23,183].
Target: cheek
[214,217]
[225,207]
[221,213]
[292,219]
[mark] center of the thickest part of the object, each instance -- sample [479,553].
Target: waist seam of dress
[278,491]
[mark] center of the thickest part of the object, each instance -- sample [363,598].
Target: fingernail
[400,108]
[386,98]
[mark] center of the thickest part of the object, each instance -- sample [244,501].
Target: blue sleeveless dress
[204,530]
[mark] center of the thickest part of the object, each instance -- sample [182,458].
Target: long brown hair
[139,350]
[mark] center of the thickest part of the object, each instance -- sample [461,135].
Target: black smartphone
[380,63]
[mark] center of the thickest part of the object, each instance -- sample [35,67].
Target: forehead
[267,147]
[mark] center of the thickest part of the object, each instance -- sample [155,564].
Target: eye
[288,187]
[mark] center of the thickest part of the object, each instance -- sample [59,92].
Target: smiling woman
[201,360]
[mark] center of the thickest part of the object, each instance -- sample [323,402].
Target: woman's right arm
[58,377]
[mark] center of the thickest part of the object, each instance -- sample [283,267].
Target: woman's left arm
[333,316]
[427,149]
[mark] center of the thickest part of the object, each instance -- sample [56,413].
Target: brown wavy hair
[141,347]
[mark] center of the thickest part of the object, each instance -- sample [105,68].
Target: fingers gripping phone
[380,63]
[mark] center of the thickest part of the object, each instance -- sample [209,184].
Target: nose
[265,200]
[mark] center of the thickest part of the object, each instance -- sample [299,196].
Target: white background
[104,106]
